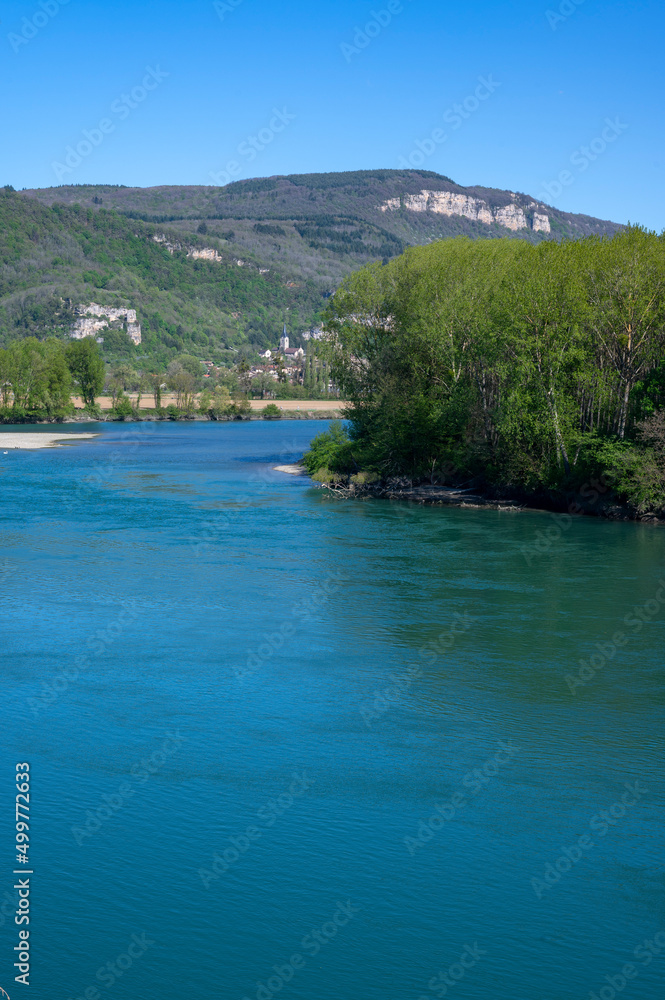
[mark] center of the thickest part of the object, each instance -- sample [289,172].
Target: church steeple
[284,341]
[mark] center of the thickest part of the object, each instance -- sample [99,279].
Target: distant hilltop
[391,206]
[211,271]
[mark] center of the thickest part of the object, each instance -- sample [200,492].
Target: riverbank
[33,441]
[598,502]
[291,409]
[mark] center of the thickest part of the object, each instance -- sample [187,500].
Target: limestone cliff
[92,318]
[200,253]
[511,216]
[541,223]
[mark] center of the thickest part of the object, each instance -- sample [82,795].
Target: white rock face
[541,223]
[392,205]
[447,203]
[417,202]
[92,318]
[206,254]
[511,216]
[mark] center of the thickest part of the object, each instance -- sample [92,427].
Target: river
[285,744]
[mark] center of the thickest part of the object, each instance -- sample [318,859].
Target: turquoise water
[322,749]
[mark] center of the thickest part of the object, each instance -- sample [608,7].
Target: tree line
[527,367]
[37,378]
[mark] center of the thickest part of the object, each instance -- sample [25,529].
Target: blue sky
[558,72]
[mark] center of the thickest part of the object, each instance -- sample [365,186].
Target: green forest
[52,258]
[525,370]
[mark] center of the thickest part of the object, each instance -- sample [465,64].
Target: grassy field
[287,405]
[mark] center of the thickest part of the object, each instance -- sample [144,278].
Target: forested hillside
[53,258]
[217,270]
[519,367]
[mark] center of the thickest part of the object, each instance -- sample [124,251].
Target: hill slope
[189,297]
[172,253]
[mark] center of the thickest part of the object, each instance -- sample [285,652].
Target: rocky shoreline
[599,502]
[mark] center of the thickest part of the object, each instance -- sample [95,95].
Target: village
[283,370]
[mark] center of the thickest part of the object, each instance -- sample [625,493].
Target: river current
[284,744]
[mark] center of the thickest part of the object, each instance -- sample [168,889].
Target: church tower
[284,340]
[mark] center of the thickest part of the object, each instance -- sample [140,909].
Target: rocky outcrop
[92,318]
[447,203]
[206,254]
[199,253]
[171,247]
[541,223]
[393,205]
[417,202]
[510,216]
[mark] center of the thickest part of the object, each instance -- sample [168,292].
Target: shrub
[272,412]
[216,405]
[324,475]
[364,478]
[93,410]
[240,408]
[123,408]
[172,412]
[637,475]
[330,452]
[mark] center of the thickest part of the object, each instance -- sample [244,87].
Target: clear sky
[358,84]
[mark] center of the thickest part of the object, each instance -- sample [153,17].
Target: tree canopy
[529,366]
[86,364]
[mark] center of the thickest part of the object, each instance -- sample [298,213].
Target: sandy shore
[291,470]
[32,441]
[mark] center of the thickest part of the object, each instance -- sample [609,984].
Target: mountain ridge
[265,196]
[224,267]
